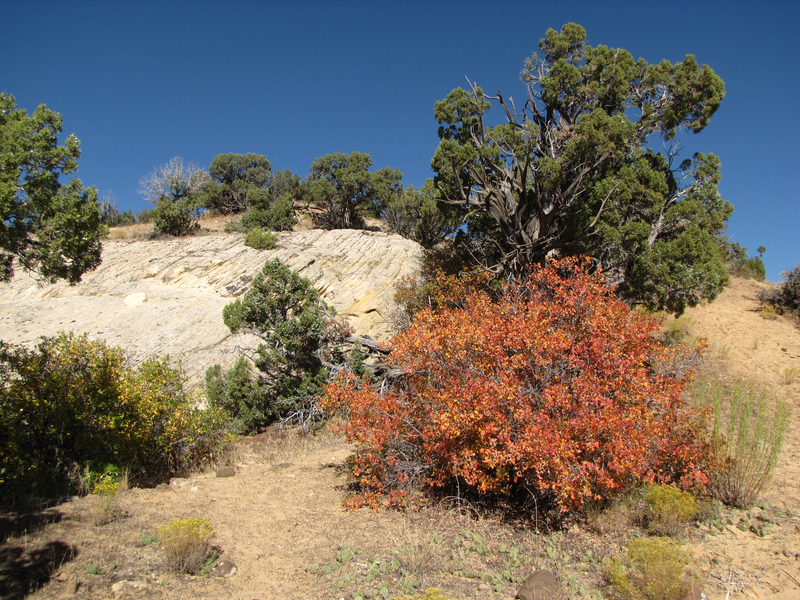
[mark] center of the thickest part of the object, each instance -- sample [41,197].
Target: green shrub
[174,218]
[187,543]
[786,296]
[71,405]
[275,216]
[144,216]
[239,393]
[653,569]
[669,509]
[749,429]
[261,240]
[298,338]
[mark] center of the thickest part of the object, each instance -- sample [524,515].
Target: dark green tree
[52,229]
[288,316]
[415,214]
[346,190]
[573,170]
[236,176]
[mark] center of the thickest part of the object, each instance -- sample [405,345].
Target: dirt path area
[280,519]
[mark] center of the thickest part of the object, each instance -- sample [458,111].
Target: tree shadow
[14,524]
[28,564]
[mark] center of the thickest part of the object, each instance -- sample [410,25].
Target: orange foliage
[554,386]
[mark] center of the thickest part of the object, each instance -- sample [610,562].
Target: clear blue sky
[141,82]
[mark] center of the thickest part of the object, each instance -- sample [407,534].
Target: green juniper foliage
[574,170]
[53,229]
[288,315]
[343,185]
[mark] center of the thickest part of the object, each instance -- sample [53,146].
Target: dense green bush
[787,295]
[261,240]
[144,216]
[287,314]
[241,394]
[72,405]
[174,218]
[740,263]
[275,216]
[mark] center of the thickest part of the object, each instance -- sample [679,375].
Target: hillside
[166,296]
[280,520]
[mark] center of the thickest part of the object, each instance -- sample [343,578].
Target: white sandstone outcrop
[166,297]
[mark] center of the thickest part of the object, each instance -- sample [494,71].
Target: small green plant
[653,569]
[261,240]
[769,312]
[786,296]
[749,428]
[187,543]
[789,375]
[669,509]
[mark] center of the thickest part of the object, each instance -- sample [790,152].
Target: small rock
[72,586]
[695,594]
[541,585]
[163,487]
[226,472]
[224,568]
[135,299]
[123,588]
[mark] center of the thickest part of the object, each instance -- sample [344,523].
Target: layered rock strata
[166,297]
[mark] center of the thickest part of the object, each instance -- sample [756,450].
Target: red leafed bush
[556,386]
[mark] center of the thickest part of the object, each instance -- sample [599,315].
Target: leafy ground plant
[749,429]
[653,569]
[669,509]
[187,543]
[261,240]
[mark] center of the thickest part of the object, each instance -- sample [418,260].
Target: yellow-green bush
[654,569]
[669,508]
[187,543]
[71,404]
[261,240]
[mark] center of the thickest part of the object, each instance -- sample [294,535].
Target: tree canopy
[52,229]
[574,169]
[237,175]
[343,185]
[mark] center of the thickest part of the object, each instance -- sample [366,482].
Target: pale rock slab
[166,297]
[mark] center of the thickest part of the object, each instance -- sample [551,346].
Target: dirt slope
[279,519]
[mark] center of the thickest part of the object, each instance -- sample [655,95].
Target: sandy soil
[280,520]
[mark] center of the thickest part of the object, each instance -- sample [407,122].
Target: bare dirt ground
[280,519]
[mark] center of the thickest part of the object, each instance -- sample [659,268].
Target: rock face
[166,297]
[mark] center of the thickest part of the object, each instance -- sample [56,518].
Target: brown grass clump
[187,543]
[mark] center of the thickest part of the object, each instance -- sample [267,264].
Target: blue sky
[141,82]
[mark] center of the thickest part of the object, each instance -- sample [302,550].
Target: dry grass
[187,543]
[139,231]
[749,429]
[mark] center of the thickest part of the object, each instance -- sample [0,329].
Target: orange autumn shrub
[556,386]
